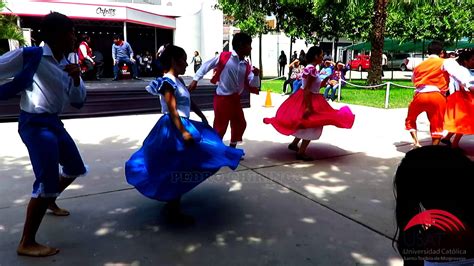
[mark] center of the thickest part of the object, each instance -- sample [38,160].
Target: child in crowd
[333,83]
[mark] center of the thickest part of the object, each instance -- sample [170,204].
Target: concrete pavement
[274,210]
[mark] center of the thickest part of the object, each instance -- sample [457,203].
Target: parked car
[397,61]
[361,62]
[414,60]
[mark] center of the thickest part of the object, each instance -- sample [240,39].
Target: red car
[361,62]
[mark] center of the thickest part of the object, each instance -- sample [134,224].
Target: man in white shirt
[233,75]
[53,84]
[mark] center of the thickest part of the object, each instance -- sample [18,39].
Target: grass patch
[399,97]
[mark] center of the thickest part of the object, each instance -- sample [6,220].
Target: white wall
[272,45]
[201,31]
[187,35]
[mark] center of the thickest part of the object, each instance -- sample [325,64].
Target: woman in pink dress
[306,112]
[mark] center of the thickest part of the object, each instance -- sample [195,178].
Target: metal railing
[387,91]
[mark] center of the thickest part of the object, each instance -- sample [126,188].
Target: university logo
[443,220]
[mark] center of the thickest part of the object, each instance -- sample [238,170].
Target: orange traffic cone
[268,100]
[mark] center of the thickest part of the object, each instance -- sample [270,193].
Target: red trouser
[434,104]
[227,108]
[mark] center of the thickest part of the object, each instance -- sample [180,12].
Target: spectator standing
[197,60]
[302,58]
[122,53]
[282,61]
[294,56]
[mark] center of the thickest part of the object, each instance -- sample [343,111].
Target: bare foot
[55,210]
[416,146]
[36,250]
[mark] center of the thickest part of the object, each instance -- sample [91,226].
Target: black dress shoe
[293,147]
[447,142]
[304,157]
[115,79]
[136,78]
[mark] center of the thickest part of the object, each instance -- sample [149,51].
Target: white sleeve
[206,67]
[11,63]
[254,81]
[459,72]
[77,95]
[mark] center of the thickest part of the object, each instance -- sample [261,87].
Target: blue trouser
[49,145]
[333,90]
[129,63]
[297,85]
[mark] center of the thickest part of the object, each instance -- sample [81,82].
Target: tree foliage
[249,16]
[444,20]
[358,20]
[8,26]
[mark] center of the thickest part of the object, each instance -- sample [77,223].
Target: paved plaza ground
[274,210]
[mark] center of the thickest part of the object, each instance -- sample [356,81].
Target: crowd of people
[180,153]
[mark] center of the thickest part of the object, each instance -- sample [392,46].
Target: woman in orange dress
[459,116]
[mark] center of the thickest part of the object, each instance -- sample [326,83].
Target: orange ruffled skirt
[459,116]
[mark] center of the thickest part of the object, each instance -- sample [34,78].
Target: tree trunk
[377,39]
[260,62]
[290,55]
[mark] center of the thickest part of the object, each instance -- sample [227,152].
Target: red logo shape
[437,218]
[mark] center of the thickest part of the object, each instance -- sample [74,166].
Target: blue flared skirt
[164,168]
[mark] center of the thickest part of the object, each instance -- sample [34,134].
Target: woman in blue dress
[178,153]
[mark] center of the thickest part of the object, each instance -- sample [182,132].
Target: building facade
[145,24]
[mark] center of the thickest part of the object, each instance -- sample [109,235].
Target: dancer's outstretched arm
[195,108]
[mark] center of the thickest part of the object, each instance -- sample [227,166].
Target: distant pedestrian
[302,58]
[197,60]
[282,61]
[294,56]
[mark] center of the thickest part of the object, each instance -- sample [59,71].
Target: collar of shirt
[433,56]
[48,52]
[234,53]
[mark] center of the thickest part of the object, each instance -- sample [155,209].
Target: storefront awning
[90,11]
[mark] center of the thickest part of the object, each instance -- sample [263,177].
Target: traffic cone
[268,100]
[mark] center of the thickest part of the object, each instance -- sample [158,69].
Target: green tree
[249,16]
[446,20]
[8,26]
